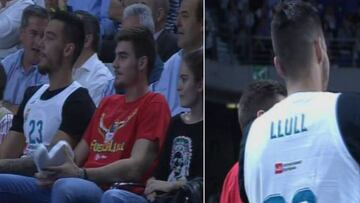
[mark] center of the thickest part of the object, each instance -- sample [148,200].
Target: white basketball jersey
[42,118]
[295,154]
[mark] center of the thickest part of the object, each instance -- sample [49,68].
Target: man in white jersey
[57,111]
[304,149]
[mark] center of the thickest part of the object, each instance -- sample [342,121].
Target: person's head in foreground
[299,46]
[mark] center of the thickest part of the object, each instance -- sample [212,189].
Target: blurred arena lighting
[232,106]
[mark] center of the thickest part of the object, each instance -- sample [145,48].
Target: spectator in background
[166,40]
[21,67]
[5,115]
[140,15]
[190,36]
[172,15]
[98,8]
[136,14]
[10,19]
[259,97]
[116,9]
[88,70]
[264,20]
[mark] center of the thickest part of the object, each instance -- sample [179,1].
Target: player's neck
[60,78]
[136,91]
[308,85]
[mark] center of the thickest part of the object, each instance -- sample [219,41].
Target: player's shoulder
[30,91]
[79,94]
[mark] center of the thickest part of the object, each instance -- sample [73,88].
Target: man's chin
[119,85]
[43,70]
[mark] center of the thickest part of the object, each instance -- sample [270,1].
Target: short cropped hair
[143,43]
[91,27]
[143,12]
[33,11]
[260,95]
[73,30]
[164,4]
[295,26]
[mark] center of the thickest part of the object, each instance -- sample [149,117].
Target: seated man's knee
[64,186]
[112,195]
[121,196]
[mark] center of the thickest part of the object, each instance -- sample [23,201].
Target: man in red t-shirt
[259,97]
[126,133]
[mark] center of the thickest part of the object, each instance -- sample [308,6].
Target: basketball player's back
[298,152]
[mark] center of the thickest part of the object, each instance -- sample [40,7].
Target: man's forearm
[21,166]
[120,171]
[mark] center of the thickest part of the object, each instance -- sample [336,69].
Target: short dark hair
[143,43]
[199,11]
[73,30]
[194,61]
[260,95]
[91,26]
[294,28]
[3,80]
[33,11]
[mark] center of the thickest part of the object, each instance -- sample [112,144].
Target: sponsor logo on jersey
[284,167]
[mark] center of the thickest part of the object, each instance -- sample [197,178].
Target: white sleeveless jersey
[42,118]
[295,154]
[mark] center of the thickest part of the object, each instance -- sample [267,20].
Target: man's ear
[69,49]
[318,50]
[259,113]
[142,63]
[279,67]
[160,15]
[88,41]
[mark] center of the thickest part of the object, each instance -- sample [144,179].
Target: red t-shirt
[116,125]
[230,190]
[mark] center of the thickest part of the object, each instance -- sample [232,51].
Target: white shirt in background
[10,19]
[96,77]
